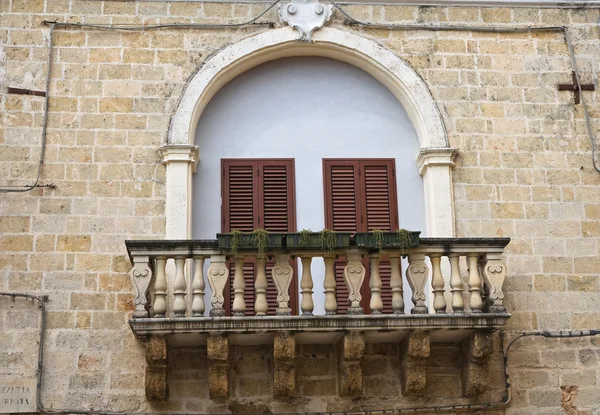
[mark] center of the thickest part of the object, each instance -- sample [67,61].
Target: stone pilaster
[284,365]
[414,352]
[351,348]
[217,351]
[477,349]
[157,354]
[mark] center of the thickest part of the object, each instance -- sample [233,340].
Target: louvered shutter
[259,193]
[360,195]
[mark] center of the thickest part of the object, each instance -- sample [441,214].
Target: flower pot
[248,242]
[314,242]
[390,240]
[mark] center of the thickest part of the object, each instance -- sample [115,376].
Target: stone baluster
[160,288]
[456,284]
[179,305]
[354,275]
[329,285]
[494,273]
[282,274]
[306,284]
[476,302]
[437,283]
[141,274]
[239,286]
[217,279]
[198,287]
[260,286]
[416,274]
[376,303]
[396,285]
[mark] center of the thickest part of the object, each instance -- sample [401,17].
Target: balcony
[455,287]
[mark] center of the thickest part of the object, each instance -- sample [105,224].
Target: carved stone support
[141,274]
[416,274]
[157,354]
[179,304]
[217,279]
[456,284]
[351,348]
[477,349]
[414,352]
[329,285]
[376,303]
[396,285]
[282,274]
[239,286]
[494,273]
[261,306]
[437,283]
[306,284]
[160,288]
[284,365]
[217,351]
[354,275]
[198,286]
[476,301]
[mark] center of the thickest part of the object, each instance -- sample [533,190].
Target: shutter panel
[259,193]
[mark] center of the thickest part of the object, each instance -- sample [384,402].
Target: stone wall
[524,170]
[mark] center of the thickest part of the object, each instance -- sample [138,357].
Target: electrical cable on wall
[43,299]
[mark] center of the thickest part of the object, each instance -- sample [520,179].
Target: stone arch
[435,159]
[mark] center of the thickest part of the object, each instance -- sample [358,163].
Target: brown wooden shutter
[360,195]
[259,193]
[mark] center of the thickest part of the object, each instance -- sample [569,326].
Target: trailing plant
[304,237]
[236,240]
[404,240]
[328,239]
[261,240]
[378,235]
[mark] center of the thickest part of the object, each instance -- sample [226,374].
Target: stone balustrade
[434,266]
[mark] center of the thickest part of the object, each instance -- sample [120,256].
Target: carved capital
[217,279]
[305,16]
[435,157]
[141,274]
[477,349]
[414,352]
[179,153]
[354,275]
[157,356]
[350,351]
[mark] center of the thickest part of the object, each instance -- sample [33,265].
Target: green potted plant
[258,239]
[326,239]
[401,239]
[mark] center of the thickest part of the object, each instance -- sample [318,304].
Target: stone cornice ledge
[179,153]
[435,157]
[162,326]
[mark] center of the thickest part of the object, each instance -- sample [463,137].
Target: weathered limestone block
[477,349]
[284,359]
[414,352]
[217,350]
[157,354]
[350,353]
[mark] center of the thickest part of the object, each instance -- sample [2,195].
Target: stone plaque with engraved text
[17,394]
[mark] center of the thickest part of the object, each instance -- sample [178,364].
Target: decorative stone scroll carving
[414,352]
[494,273]
[354,274]
[217,352]
[477,349]
[305,16]
[282,274]
[351,348]
[217,279]
[141,274]
[417,273]
[157,389]
[284,360]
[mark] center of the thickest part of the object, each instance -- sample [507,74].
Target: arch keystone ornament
[305,16]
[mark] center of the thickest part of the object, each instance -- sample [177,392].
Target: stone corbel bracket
[157,355]
[414,352]
[477,350]
[351,348]
[305,16]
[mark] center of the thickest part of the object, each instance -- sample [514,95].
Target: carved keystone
[157,389]
[217,351]
[351,348]
[284,359]
[414,352]
[477,349]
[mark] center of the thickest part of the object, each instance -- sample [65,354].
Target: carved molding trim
[305,16]
[435,157]
[182,153]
